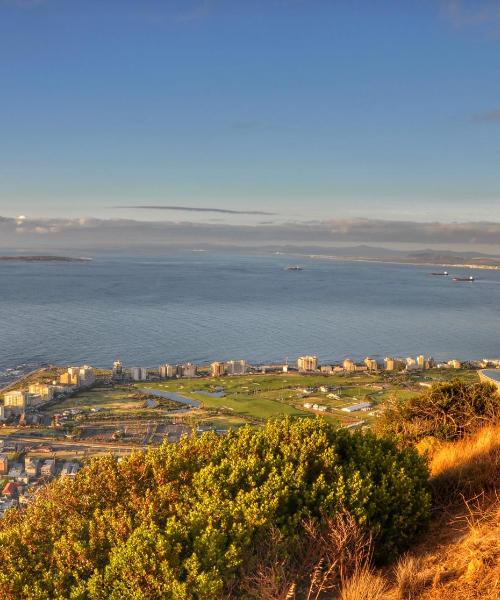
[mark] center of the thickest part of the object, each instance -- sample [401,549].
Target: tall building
[78,376]
[421,361]
[390,364]
[16,400]
[167,371]
[86,374]
[307,363]
[411,364]
[70,378]
[139,373]
[217,369]
[236,367]
[46,392]
[188,370]
[349,365]
[371,364]
[117,372]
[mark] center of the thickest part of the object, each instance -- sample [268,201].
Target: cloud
[23,3]
[473,13]
[127,233]
[198,12]
[492,116]
[225,211]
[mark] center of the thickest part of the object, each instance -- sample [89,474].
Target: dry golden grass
[465,468]
[410,576]
[364,585]
[459,557]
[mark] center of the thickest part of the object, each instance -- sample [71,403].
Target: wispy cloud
[198,12]
[225,211]
[473,13]
[491,116]
[23,3]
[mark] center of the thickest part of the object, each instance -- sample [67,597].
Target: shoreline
[396,262]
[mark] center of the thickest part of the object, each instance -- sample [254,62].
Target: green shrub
[447,411]
[177,521]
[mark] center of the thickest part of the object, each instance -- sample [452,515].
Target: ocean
[200,306]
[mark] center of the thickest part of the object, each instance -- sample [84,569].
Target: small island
[43,258]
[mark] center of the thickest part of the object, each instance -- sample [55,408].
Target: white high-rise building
[167,371]
[307,363]
[139,373]
[236,367]
[86,375]
[188,370]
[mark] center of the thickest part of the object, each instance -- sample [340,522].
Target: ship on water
[464,278]
[294,268]
[443,273]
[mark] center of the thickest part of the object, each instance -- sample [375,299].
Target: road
[81,445]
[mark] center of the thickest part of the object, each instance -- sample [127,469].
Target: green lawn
[263,396]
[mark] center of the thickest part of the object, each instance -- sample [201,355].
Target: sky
[290,110]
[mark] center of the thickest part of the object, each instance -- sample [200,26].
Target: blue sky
[310,109]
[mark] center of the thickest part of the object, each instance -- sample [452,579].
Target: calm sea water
[201,307]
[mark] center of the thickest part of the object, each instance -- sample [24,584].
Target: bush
[178,521]
[448,411]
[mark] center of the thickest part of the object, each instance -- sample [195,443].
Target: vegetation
[448,411]
[191,520]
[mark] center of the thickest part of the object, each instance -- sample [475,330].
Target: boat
[294,268]
[464,278]
[444,273]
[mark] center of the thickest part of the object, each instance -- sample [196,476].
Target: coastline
[397,262]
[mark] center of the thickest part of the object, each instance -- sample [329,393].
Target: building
[117,371]
[188,370]
[78,376]
[11,490]
[236,367]
[356,407]
[16,402]
[421,361]
[455,364]
[48,469]
[390,364]
[31,466]
[86,375]
[166,371]
[411,364]
[371,364]
[70,469]
[139,373]
[70,379]
[307,363]
[46,392]
[4,464]
[217,369]
[349,365]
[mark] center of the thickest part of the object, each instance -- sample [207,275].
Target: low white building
[356,407]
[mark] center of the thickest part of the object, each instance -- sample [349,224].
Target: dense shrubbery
[448,411]
[179,521]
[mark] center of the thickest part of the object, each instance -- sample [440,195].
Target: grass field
[257,397]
